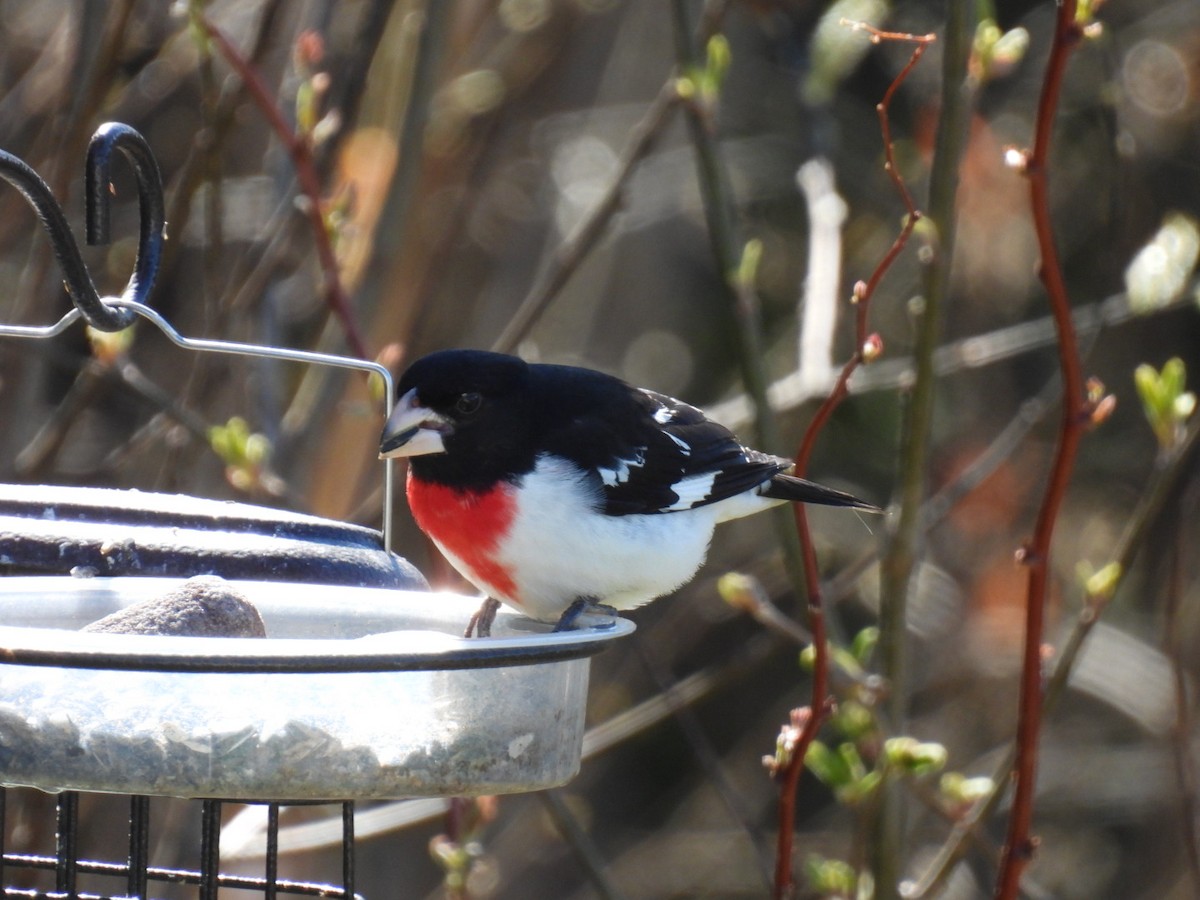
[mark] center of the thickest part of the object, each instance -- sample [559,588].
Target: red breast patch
[468,524]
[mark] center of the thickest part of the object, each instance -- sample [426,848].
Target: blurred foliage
[1167,405]
[831,877]
[457,146]
[1160,272]
[244,454]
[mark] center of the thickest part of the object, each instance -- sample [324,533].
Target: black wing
[682,460]
[644,452]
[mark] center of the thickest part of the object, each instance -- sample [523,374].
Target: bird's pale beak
[412,430]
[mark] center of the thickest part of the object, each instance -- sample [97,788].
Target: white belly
[562,550]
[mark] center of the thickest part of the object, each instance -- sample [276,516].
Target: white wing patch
[691,490]
[664,415]
[619,474]
[684,447]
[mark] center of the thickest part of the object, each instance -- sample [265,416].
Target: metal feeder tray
[358,693]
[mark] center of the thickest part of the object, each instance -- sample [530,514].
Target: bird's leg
[583,608]
[481,623]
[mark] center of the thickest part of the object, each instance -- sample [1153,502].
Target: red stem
[300,152]
[789,777]
[1019,846]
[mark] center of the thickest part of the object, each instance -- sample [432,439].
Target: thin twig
[575,248]
[964,354]
[1161,488]
[727,248]
[348,91]
[866,348]
[1185,766]
[429,21]
[710,762]
[903,547]
[65,139]
[205,149]
[96,64]
[299,150]
[213,174]
[720,218]
[38,456]
[189,178]
[581,842]
[685,692]
[1019,846]
[746,594]
[982,467]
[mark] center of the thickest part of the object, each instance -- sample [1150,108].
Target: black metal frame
[139,875]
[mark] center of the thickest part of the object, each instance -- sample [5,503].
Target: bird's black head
[463,417]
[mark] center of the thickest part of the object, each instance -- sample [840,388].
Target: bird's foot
[481,623]
[585,612]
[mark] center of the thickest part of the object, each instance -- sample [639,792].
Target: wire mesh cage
[362,689]
[63,873]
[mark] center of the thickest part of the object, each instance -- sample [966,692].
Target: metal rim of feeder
[154,653]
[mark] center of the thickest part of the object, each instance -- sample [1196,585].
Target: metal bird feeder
[362,689]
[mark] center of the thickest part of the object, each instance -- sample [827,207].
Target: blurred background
[522,174]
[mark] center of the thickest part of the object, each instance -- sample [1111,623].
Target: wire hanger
[117,313]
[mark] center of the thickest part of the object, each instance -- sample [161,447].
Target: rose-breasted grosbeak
[554,489]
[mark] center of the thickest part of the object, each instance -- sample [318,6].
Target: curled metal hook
[151,207]
[95,310]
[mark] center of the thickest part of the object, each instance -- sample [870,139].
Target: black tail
[789,487]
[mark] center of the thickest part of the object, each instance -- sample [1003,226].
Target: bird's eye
[468,403]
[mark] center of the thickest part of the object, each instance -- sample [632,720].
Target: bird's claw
[481,622]
[582,612]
